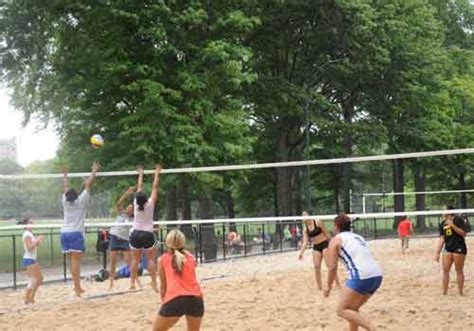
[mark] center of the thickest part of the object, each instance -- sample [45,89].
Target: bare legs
[164,323]
[326,257]
[75,270]
[113,264]
[317,258]
[458,260]
[150,256]
[348,309]
[35,278]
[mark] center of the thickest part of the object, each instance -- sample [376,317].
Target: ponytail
[175,240]
[141,199]
[178,260]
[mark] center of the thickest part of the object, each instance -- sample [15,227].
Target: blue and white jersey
[356,256]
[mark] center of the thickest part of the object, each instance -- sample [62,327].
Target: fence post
[161,240]
[281,232]
[14,261]
[51,246]
[375,228]
[223,239]
[196,243]
[200,243]
[245,239]
[263,238]
[64,267]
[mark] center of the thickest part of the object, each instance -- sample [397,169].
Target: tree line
[225,82]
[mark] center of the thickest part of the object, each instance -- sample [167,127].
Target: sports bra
[315,232]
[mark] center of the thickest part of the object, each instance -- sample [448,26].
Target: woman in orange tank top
[180,291]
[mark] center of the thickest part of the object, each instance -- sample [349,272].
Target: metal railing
[208,242]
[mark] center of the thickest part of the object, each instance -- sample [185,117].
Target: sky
[33,142]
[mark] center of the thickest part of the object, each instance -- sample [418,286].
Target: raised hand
[95,166]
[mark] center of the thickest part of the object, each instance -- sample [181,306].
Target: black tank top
[315,232]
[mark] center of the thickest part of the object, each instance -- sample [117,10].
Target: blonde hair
[175,241]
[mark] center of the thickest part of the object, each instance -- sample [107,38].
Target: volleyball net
[229,211]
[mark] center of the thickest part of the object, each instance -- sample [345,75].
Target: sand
[273,292]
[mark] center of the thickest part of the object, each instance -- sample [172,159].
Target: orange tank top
[180,285]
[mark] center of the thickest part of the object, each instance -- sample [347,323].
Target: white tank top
[356,256]
[32,254]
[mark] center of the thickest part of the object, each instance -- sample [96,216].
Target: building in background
[8,149]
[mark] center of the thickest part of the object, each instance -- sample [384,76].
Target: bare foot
[111,286]
[79,291]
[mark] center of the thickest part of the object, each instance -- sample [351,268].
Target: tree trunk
[347,167]
[276,209]
[229,201]
[420,199]
[462,186]
[398,186]
[185,204]
[208,235]
[283,177]
[171,206]
[298,193]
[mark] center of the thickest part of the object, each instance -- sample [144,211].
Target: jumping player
[142,237]
[72,232]
[119,234]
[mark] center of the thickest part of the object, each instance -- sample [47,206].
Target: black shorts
[321,246]
[185,305]
[142,239]
[117,244]
[456,250]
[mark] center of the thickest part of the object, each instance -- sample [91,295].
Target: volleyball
[97,141]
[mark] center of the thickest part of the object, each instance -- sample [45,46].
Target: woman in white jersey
[119,234]
[72,231]
[142,236]
[365,276]
[33,269]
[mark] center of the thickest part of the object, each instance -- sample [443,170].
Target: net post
[223,239]
[14,261]
[364,210]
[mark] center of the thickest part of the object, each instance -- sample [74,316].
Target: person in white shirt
[119,234]
[30,262]
[72,231]
[364,274]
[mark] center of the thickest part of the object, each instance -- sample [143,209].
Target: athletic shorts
[142,239]
[28,262]
[365,286]
[321,246]
[117,244]
[456,250]
[72,242]
[184,305]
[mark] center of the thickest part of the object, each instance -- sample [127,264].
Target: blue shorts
[365,286]
[72,242]
[117,244]
[28,262]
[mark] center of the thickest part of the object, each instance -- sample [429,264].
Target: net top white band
[261,219]
[257,165]
[416,193]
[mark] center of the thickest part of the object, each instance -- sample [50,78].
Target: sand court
[273,292]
